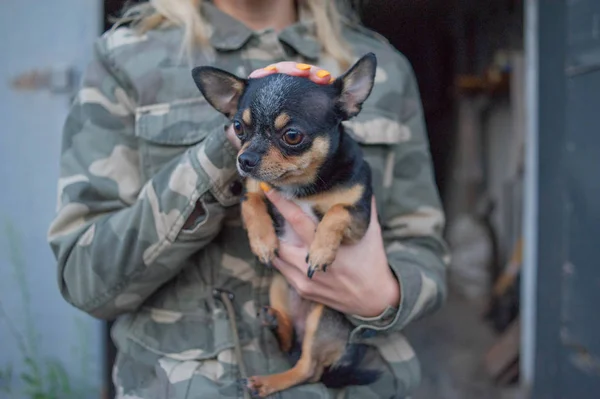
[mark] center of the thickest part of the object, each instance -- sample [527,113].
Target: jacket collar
[229,34]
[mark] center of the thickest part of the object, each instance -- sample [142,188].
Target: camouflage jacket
[141,148]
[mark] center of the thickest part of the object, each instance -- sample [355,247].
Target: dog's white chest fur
[289,235]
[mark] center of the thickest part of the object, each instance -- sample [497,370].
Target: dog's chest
[288,234]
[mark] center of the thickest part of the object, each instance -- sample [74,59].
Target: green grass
[42,377]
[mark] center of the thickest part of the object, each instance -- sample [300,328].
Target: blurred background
[511,90]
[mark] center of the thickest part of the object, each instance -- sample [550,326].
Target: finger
[295,256]
[314,73]
[374,226]
[287,67]
[262,72]
[320,76]
[293,276]
[307,288]
[302,224]
[313,290]
[289,271]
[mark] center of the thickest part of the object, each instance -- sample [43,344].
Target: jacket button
[236,188]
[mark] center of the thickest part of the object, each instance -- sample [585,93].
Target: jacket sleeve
[412,221]
[117,239]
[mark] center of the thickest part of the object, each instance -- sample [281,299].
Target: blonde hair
[187,14]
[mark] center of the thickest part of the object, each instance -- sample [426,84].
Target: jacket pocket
[166,130]
[378,133]
[191,354]
[197,335]
[186,319]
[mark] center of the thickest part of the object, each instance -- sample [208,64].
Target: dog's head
[288,126]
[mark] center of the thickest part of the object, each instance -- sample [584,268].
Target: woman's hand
[359,282]
[312,72]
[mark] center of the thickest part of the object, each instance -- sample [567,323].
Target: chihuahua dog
[293,141]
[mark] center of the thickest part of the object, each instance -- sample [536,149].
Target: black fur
[316,111]
[348,371]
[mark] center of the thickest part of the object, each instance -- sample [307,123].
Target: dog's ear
[355,85]
[221,89]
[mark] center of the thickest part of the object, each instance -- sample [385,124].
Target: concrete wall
[38,35]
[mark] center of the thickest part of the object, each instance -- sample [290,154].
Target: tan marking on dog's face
[320,147]
[293,170]
[247,117]
[342,196]
[281,120]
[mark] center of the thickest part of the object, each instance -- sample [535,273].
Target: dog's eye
[237,128]
[292,137]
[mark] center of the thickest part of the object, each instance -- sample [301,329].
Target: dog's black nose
[248,160]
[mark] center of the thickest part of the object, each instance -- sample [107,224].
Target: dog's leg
[339,224]
[278,315]
[258,223]
[317,374]
[304,370]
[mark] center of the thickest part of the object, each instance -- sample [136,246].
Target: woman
[148,228]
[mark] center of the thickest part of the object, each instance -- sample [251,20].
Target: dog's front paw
[265,247]
[319,258]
